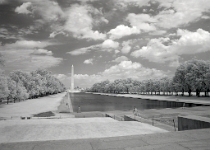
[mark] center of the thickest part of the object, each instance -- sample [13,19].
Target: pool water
[94,102]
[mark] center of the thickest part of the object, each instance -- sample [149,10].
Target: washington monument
[72,78]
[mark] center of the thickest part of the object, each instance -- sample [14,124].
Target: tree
[4,91]
[12,89]
[192,76]
[179,78]
[207,82]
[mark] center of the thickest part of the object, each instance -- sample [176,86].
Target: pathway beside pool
[31,106]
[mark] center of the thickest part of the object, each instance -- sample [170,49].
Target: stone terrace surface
[181,140]
[71,128]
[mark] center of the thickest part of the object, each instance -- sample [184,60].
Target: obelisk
[72,78]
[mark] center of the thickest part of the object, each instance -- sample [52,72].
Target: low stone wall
[115,117]
[192,122]
[128,118]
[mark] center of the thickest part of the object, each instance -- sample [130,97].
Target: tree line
[191,76]
[20,85]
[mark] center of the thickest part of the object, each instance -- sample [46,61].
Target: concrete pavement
[181,140]
[31,106]
[70,128]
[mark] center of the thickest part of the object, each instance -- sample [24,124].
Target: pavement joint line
[145,141]
[182,145]
[92,146]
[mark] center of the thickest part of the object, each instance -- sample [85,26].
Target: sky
[103,39]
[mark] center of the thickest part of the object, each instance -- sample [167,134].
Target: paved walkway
[71,128]
[31,106]
[182,140]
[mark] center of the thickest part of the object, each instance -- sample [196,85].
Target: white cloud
[80,23]
[55,33]
[130,69]
[28,56]
[144,22]
[122,30]
[60,76]
[191,42]
[205,17]
[110,44]
[188,43]
[125,3]
[155,51]
[158,32]
[180,12]
[107,45]
[42,51]
[126,48]
[120,59]
[116,51]
[123,70]
[25,61]
[88,61]
[25,44]
[23,9]
[173,14]
[84,50]
[50,11]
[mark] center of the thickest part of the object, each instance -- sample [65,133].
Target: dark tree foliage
[191,76]
[21,85]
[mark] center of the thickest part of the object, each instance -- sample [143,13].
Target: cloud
[177,13]
[6,34]
[65,20]
[23,9]
[123,4]
[110,44]
[28,56]
[156,51]
[158,32]
[3,1]
[116,51]
[26,44]
[81,80]
[88,61]
[126,48]
[49,11]
[42,51]
[84,50]
[55,33]
[143,22]
[205,17]
[82,27]
[189,43]
[123,70]
[121,31]
[107,45]
[120,59]
[129,69]
[25,60]
[172,14]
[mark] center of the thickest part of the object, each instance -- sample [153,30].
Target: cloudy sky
[103,39]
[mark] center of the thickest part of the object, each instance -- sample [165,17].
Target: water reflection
[92,102]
